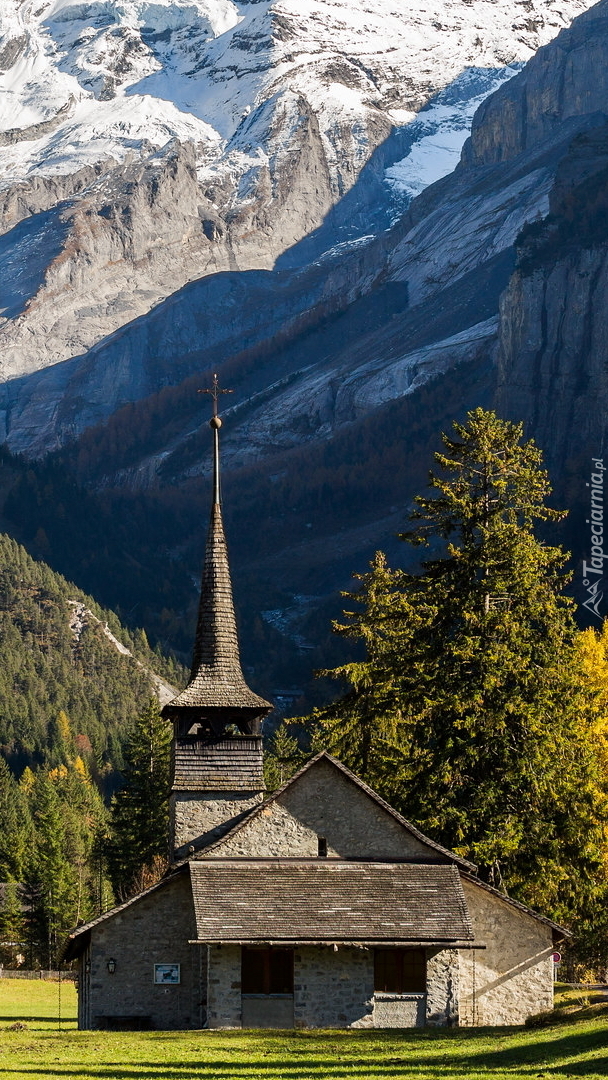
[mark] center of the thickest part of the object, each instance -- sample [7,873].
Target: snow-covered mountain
[109,76]
[146,144]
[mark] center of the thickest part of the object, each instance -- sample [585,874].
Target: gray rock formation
[451,255]
[149,146]
[554,320]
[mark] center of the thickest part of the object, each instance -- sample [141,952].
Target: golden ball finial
[215,422]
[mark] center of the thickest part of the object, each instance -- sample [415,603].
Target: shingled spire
[217,747]
[217,689]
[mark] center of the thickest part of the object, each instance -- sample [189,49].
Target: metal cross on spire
[215,424]
[215,390]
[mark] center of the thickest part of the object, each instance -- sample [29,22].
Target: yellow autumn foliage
[592,650]
[81,770]
[58,774]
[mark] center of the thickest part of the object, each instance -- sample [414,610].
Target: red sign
[557,957]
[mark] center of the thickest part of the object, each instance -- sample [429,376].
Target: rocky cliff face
[565,80]
[553,313]
[551,355]
[148,145]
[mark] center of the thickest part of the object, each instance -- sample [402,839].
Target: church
[317,907]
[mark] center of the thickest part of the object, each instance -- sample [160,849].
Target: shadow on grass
[32,1019]
[552,1055]
[285,1071]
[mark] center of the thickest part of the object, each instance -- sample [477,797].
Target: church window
[400,971]
[267,971]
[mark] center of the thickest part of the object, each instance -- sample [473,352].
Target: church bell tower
[217,761]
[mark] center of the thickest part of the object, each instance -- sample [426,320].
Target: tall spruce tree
[469,712]
[137,847]
[13,928]
[51,882]
[282,758]
[15,826]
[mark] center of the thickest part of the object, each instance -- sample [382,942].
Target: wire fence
[50,976]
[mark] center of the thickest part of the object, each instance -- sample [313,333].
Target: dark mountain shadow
[25,253]
[373,205]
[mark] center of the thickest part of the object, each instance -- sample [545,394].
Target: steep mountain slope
[61,654]
[435,276]
[147,144]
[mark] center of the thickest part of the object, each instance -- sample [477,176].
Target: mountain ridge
[61,652]
[142,191]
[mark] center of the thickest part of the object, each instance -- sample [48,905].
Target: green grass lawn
[576,1048]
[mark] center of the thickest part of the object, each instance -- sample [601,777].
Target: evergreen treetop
[469,713]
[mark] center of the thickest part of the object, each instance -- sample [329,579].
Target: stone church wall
[224,986]
[324,802]
[197,816]
[443,988]
[154,930]
[334,988]
[513,977]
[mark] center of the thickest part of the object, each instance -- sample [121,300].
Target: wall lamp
[111,966]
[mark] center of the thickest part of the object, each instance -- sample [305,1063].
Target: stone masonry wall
[333,989]
[154,930]
[399,1010]
[442,986]
[513,977]
[224,987]
[206,816]
[324,802]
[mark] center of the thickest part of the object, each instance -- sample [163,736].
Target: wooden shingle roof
[209,766]
[282,900]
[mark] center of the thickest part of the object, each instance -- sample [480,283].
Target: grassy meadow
[32,1046]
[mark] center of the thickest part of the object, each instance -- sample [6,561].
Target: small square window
[400,971]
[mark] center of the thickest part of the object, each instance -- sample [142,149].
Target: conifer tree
[12,925]
[15,826]
[469,712]
[138,843]
[51,879]
[282,759]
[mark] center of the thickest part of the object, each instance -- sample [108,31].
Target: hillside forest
[73,682]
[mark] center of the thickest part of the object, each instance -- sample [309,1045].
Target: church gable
[325,802]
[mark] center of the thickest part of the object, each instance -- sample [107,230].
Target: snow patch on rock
[440,130]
